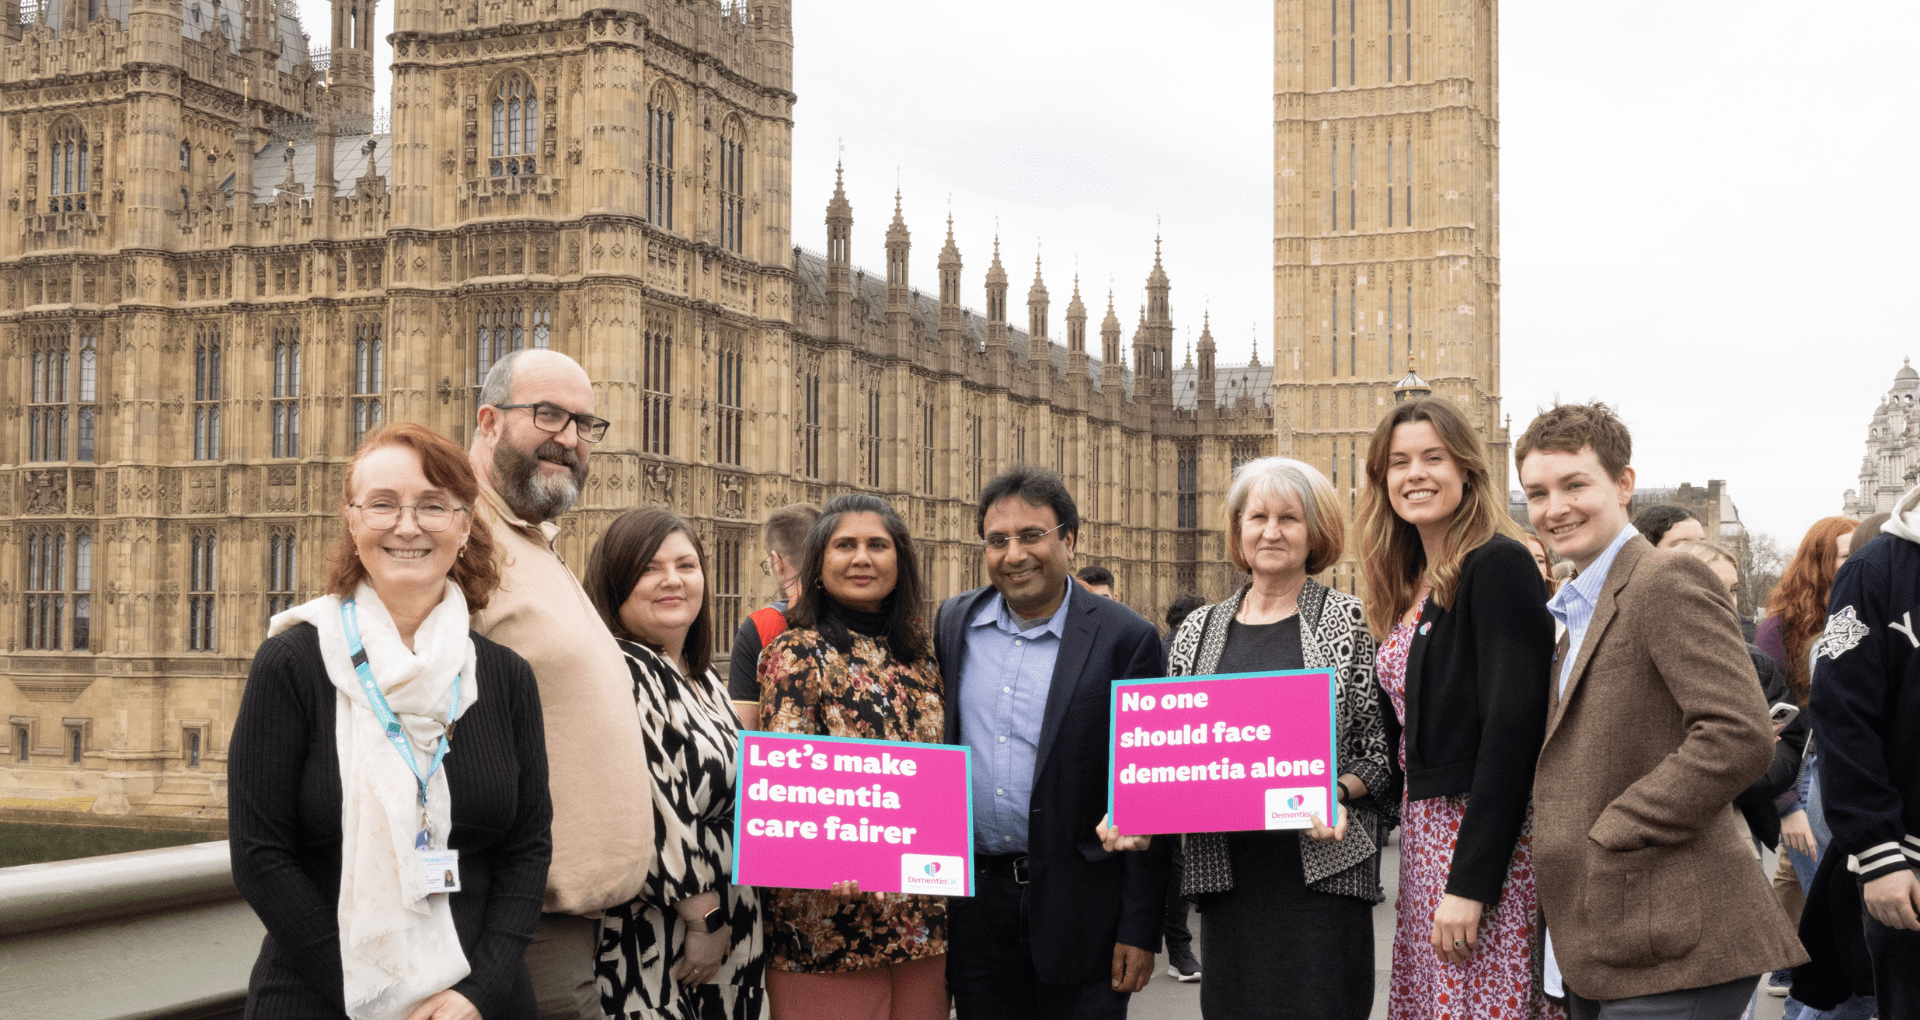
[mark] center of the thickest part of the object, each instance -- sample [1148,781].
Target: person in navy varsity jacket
[1866,707]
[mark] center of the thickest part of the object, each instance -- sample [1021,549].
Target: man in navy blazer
[1057,926]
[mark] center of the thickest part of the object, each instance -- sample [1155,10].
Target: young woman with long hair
[1456,602]
[1797,609]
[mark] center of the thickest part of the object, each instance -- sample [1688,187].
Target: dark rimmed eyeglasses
[554,418]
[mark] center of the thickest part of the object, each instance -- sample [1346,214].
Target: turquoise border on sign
[1113,729]
[739,794]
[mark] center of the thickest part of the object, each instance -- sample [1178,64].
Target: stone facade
[1386,223]
[1891,465]
[222,267]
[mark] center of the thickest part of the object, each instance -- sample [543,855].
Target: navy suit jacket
[1082,899]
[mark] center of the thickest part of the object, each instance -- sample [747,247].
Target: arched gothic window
[733,186]
[516,127]
[67,168]
[660,118]
[186,156]
[206,391]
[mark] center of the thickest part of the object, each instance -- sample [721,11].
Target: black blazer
[1756,805]
[1477,687]
[1082,898]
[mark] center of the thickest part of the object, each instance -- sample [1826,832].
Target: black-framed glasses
[383,515]
[554,418]
[1028,538]
[766,565]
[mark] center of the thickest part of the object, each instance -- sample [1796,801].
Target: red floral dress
[1502,981]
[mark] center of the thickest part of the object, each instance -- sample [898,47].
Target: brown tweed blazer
[1643,879]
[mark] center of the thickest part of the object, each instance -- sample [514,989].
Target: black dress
[1271,947]
[283,806]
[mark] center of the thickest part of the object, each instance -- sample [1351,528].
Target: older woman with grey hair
[1288,926]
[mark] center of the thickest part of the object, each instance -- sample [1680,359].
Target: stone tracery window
[733,187]
[661,111]
[67,168]
[206,391]
[369,377]
[516,127]
[286,389]
[507,324]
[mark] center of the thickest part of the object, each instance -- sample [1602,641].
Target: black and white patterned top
[692,738]
[1333,635]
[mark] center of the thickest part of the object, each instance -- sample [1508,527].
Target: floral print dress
[808,686]
[1502,981]
[692,738]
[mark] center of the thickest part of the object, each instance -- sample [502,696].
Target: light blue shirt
[1576,600]
[1573,605]
[1003,697]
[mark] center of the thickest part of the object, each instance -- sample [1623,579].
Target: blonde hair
[1392,557]
[1281,476]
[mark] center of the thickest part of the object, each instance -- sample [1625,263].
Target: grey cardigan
[1333,635]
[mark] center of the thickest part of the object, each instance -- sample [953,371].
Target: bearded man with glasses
[1058,926]
[532,435]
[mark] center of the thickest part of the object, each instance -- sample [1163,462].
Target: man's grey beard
[532,498]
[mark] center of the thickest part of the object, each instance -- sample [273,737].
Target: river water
[28,843]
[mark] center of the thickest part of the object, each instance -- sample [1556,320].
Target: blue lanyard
[396,734]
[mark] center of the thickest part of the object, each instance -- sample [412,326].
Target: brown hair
[621,556]
[1569,428]
[1800,599]
[477,569]
[1392,557]
[786,528]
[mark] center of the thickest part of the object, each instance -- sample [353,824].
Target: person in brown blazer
[1655,724]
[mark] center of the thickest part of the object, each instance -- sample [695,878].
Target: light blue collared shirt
[1576,600]
[1573,605]
[1003,698]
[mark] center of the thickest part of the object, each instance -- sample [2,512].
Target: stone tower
[1386,223]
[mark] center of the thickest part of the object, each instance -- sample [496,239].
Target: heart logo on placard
[932,868]
[1294,802]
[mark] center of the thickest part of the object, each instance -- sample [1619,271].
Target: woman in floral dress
[691,946]
[1466,646]
[855,662]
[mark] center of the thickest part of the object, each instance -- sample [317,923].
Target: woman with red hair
[1797,609]
[1796,614]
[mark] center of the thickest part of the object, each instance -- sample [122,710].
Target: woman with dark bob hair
[647,576]
[855,661]
[342,744]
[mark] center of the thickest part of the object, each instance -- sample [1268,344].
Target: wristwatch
[714,919]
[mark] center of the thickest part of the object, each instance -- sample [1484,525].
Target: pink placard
[1222,753]
[891,815]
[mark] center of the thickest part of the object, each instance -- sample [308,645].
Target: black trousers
[990,962]
[1174,928]
[1896,969]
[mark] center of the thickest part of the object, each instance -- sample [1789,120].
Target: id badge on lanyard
[441,867]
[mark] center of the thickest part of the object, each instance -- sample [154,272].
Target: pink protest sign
[1222,753]
[813,811]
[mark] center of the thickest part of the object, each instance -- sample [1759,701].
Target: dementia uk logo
[929,873]
[1288,808]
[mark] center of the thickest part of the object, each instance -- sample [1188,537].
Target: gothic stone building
[1386,223]
[221,269]
[1891,464]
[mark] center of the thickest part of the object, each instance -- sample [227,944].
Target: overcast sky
[1700,201]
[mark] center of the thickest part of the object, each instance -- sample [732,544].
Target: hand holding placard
[853,815]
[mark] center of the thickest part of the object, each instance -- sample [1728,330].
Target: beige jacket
[1643,879]
[602,809]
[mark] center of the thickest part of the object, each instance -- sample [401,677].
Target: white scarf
[397,942]
[1905,521]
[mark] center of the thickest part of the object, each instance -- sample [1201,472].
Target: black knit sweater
[284,802]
